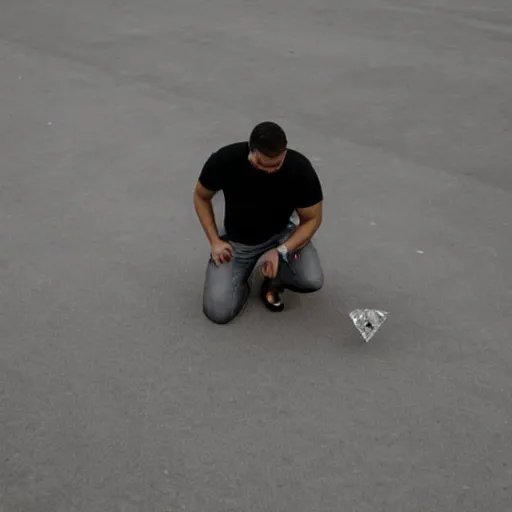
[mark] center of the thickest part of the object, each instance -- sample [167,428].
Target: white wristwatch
[283,251]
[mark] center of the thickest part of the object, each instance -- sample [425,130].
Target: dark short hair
[268,138]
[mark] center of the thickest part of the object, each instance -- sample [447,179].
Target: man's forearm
[302,235]
[204,210]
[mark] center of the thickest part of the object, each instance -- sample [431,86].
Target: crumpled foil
[368,321]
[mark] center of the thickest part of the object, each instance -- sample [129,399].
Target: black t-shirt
[258,205]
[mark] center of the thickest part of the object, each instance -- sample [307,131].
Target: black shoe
[277,304]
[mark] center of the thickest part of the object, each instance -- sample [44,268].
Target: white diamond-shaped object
[368,321]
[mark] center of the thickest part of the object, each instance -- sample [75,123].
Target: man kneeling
[264,182]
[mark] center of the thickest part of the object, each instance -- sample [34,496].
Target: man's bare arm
[310,221]
[204,209]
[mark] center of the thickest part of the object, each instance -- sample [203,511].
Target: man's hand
[270,263]
[222,252]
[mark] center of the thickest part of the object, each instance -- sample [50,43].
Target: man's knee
[309,279]
[312,283]
[221,304]
[218,313]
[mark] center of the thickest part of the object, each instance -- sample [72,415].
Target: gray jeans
[226,287]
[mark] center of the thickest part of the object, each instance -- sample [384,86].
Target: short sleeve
[310,191]
[213,172]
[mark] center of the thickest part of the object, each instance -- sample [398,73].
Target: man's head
[267,146]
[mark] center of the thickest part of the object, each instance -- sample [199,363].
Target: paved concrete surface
[117,395]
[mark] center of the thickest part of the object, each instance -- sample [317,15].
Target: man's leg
[226,287]
[303,273]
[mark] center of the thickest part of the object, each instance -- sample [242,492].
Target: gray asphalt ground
[116,394]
